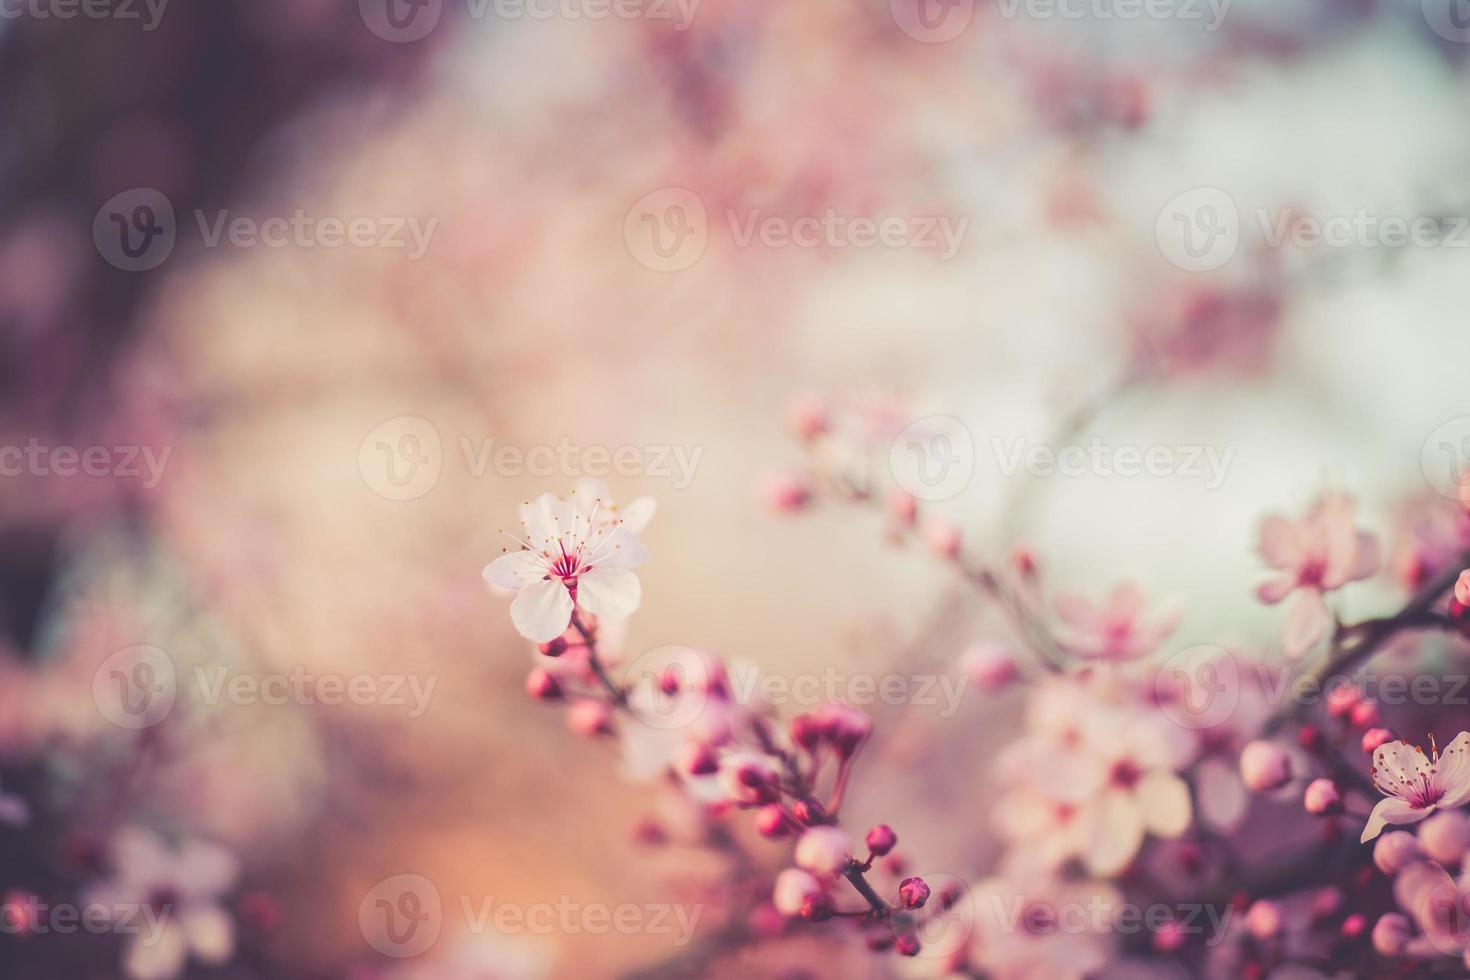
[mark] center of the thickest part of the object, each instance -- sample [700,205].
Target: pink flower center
[1311,573]
[1125,774]
[1038,919]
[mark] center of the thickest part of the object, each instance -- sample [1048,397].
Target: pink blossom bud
[793,888]
[903,506]
[1309,737]
[1325,903]
[669,682]
[1445,836]
[1375,737]
[1169,938]
[809,813]
[824,850]
[817,908]
[1364,715]
[806,731]
[908,945]
[772,821]
[765,921]
[1023,560]
[990,666]
[1323,798]
[1341,699]
[1395,851]
[1392,934]
[650,833]
[1462,588]
[881,839]
[913,893]
[1263,920]
[553,648]
[542,685]
[698,759]
[808,418]
[942,537]
[786,493]
[843,725]
[1353,926]
[1264,766]
[590,718]
[749,778]
[879,939]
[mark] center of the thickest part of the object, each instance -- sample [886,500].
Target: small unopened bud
[1353,926]
[908,945]
[1023,560]
[1264,766]
[786,493]
[669,682]
[824,850]
[1375,737]
[1446,837]
[1323,798]
[1341,700]
[1169,938]
[793,888]
[808,418]
[650,833]
[942,537]
[590,718]
[1325,903]
[1462,588]
[749,778]
[698,759]
[1364,715]
[542,685]
[903,506]
[1395,851]
[806,731]
[844,726]
[772,821]
[809,813]
[1392,934]
[553,648]
[817,908]
[1309,737]
[881,839]
[1263,920]
[260,911]
[913,893]
[990,666]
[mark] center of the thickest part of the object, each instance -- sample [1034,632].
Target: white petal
[617,549]
[637,514]
[1305,623]
[1453,774]
[155,955]
[1391,810]
[515,570]
[140,856]
[205,869]
[545,519]
[210,933]
[1280,542]
[1164,800]
[1223,798]
[605,591]
[541,612]
[1115,834]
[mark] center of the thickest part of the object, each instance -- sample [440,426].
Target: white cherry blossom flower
[1415,784]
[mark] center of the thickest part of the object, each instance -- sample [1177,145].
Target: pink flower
[824,850]
[1323,552]
[794,890]
[1415,785]
[182,889]
[575,553]
[748,777]
[1264,766]
[1114,629]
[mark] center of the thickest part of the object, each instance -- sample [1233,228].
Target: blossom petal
[545,519]
[1280,542]
[1391,810]
[542,611]
[1453,772]
[1223,798]
[618,549]
[1305,623]
[1275,590]
[140,856]
[1078,612]
[1115,833]
[605,591]
[637,514]
[515,570]
[1164,800]
[157,952]
[210,933]
[205,869]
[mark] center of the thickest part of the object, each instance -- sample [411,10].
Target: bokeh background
[323,505]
